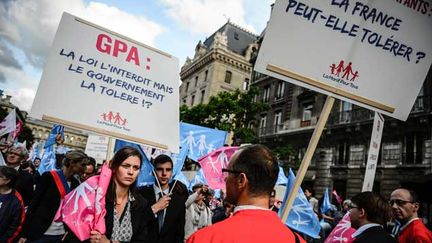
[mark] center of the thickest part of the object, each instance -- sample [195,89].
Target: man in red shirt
[251,176]
[405,205]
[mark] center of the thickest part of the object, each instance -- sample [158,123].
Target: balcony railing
[356,115]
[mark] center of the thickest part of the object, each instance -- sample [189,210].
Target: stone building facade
[220,63]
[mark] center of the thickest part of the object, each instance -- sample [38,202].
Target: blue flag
[326,205]
[182,178]
[179,160]
[48,160]
[301,217]
[145,176]
[200,140]
[282,179]
[199,178]
[36,151]
[56,130]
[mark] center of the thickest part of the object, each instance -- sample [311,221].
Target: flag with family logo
[8,124]
[342,233]
[179,160]
[213,163]
[301,217]
[199,178]
[282,179]
[200,140]
[145,176]
[35,151]
[83,209]
[48,160]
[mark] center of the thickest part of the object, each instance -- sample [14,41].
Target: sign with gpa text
[101,81]
[375,54]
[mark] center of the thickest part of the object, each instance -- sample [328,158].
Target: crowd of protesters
[167,212]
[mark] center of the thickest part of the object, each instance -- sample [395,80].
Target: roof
[238,38]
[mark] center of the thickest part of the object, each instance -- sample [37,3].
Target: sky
[27,29]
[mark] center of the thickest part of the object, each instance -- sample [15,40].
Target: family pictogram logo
[346,71]
[114,119]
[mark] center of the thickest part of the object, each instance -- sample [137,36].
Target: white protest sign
[97,147]
[375,54]
[97,80]
[374,149]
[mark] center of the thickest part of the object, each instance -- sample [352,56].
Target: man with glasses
[250,178]
[369,213]
[405,205]
[15,155]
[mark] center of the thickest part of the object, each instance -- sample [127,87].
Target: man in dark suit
[369,213]
[168,208]
[15,155]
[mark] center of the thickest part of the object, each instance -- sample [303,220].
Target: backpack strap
[297,240]
[60,182]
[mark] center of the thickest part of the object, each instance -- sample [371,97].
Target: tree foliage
[229,111]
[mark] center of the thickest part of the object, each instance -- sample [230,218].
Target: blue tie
[160,214]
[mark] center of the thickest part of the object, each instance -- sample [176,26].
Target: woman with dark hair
[11,205]
[127,213]
[39,225]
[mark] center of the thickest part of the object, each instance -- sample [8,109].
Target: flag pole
[308,156]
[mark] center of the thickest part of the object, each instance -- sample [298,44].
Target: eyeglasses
[399,202]
[352,206]
[231,171]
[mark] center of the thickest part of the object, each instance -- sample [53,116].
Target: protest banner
[97,147]
[101,81]
[374,149]
[351,50]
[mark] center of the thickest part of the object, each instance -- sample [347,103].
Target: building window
[228,75]
[357,154]
[307,113]
[280,90]
[262,127]
[246,84]
[187,87]
[202,96]
[196,81]
[192,100]
[236,36]
[184,101]
[266,94]
[346,112]
[391,153]
[277,121]
[205,75]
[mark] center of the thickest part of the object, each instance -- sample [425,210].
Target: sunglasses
[399,202]
[231,171]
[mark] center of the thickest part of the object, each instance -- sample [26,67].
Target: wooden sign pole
[308,156]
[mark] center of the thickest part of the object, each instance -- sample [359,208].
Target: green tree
[229,111]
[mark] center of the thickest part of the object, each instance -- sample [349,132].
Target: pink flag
[83,209]
[213,163]
[342,233]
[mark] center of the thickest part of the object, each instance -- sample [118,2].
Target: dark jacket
[43,207]
[374,234]
[173,228]
[11,216]
[25,185]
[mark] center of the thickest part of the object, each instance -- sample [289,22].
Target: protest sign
[97,147]
[101,81]
[374,149]
[375,54]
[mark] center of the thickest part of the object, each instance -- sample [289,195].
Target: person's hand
[162,203]
[203,189]
[22,240]
[97,237]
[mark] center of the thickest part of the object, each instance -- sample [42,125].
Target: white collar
[360,230]
[406,225]
[246,207]
[157,190]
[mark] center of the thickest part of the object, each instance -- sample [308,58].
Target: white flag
[8,124]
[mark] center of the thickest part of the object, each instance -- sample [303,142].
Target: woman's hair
[73,157]
[120,156]
[10,174]
[26,164]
